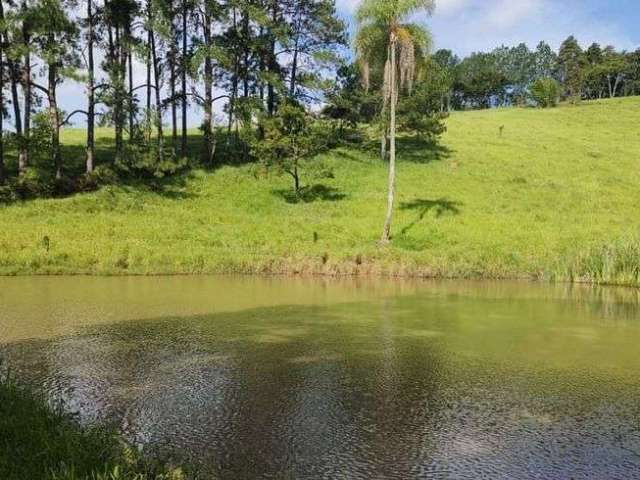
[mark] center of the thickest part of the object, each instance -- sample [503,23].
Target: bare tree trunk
[130,102]
[54,115]
[23,157]
[616,85]
[15,99]
[261,68]
[272,61]
[386,232]
[246,33]
[2,68]
[294,63]
[383,143]
[207,152]
[148,104]
[172,86]
[91,107]
[156,74]
[183,140]
[119,88]
[234,85]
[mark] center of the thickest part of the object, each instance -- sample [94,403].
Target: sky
[465,26]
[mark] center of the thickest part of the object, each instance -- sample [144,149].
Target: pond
[324,378]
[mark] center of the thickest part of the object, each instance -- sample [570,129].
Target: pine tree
[571,61]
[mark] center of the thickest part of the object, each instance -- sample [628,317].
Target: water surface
[294,378]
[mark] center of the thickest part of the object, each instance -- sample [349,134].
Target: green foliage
[572,62]
[545,92]
[421,112]
[389,12]
[480,80]
[348,102]
[616,262]
[101,176]
[32,183]
[287,138]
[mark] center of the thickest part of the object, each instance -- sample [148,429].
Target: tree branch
[40,87]
[143,86]
[66,120]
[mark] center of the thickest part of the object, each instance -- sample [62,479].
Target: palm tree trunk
[386,232]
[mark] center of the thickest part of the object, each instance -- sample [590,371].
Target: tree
[348,102]
[442,72]
[615,67]
[545,92]
[90,23]
[288,137]
[632,81]
[54,37]
[571,61]
[205,53]
[381,29]
[314,33]
[518,65]
[118,16]
[22,26]
[546,61]
[2,103]
[421,112]
[480,81]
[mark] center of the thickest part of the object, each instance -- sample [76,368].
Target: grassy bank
[554,196]
[39,442]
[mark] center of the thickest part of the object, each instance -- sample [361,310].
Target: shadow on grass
[441,206]
[412,149]
[310,194]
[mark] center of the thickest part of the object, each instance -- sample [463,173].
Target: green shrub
[100,177]
[7,194]
[32,183]
[545,92]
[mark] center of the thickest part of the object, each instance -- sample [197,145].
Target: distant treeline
[506,75]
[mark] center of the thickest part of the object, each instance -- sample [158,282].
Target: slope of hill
[508,193]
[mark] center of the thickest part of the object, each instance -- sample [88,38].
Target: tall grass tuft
[613,263]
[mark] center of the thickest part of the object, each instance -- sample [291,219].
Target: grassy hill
[556,195]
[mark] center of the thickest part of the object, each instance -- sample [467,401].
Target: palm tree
[387,45]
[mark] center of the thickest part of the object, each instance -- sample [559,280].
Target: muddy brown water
[317,378]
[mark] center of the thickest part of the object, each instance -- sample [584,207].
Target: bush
[31,184]
[7,194]
[100,177]
[545,92]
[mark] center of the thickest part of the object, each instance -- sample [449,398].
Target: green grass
[38,441]
[556,196]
